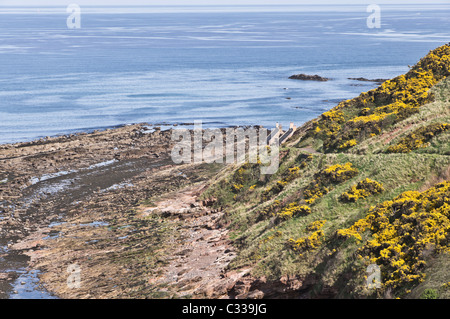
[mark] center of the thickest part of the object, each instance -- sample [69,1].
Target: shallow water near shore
[175,66]
[24,283]
[64,188]
[27,286]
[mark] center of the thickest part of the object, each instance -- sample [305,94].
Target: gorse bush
[354,120]
[318,224]
[291,174]
[311,242]
[324,180]
[404,232]
[245,174]
[244,179]
[269,211]
[419,138]
[363,189]
[293,210]
[339,173]
[321,184]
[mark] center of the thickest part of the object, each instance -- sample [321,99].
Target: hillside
[367,182]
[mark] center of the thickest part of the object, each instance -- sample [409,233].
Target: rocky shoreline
[112,203]
[379,81]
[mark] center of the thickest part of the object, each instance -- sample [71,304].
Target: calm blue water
[228,67]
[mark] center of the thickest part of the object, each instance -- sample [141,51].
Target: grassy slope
[262,239]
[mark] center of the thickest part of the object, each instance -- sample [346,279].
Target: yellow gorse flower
[394,100]
[403,230]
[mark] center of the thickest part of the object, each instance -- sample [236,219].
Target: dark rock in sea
[306,77]
[368,80]
[335,101]
[357,85]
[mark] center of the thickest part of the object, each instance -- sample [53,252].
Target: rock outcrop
[306,77]
[368,80]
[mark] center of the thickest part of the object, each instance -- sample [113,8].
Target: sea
[222,65]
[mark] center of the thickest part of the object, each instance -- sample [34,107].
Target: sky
[207,2]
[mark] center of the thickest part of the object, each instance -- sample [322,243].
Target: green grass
[437,276]
[435,112]
[334,261]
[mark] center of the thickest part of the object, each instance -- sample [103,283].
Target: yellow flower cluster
[363,189]
[419,138]
[318,224]
[348,144]
[269,210]
[293,210]
[324,180]
[368,118]
[339,173]
[244,177]
[311,242]
[290,175]
[275,189]
[334,116]
[445,286]
[403,231]
[367,115]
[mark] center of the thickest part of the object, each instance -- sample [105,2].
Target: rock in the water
[368,80]
[306,77]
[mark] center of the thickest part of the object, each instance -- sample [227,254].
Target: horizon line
[229,5]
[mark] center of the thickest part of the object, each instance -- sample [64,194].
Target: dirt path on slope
[196,268]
